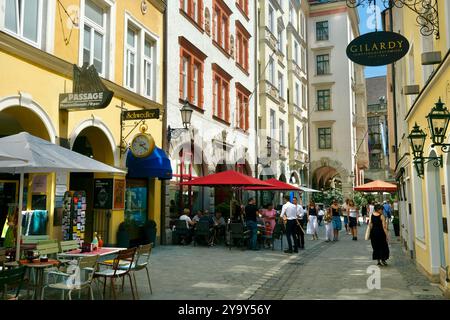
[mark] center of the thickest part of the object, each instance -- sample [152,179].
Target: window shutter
[214,94]
[200,14]
[227,102]
[200,94]
[247,115]
[191,79]
[181,74]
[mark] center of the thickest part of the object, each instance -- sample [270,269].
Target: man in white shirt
[289,215]
[299,228]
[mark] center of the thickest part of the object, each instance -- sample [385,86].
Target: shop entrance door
[136,204]
[8,200]
[85,182]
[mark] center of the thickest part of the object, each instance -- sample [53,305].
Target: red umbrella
[227,178]
[377,186]
[276,185]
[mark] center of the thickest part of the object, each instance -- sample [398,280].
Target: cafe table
[101,252]
[39,266]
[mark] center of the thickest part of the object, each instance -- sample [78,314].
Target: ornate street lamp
[438,120]
[417,140]
[186,115]
[420,167]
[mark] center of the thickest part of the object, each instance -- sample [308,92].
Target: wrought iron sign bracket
[436,161]
[445,147]
[426,10]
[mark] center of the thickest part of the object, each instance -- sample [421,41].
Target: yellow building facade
[420,81]
[39,45]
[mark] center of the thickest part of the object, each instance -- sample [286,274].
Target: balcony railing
[271,90]
[282,152]
[297,112]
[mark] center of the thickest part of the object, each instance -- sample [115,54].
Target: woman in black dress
[379,236]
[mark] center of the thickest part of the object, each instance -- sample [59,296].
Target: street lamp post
[186,115]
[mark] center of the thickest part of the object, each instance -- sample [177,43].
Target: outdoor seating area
[51,269]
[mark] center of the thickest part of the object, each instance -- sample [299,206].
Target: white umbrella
[23,153]
[305,189]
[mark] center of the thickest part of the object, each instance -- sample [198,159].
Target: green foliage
[328,196]
[224,207]
[362,199]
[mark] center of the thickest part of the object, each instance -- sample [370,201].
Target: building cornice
[161,5]
[42,59]
[436,75]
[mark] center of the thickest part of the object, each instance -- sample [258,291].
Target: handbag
[369,228]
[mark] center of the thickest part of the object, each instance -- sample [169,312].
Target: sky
[366,25]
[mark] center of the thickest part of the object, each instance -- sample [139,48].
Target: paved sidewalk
[322,271]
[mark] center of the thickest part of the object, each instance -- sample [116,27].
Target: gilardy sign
[377,48]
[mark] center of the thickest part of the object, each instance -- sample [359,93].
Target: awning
[156,165]
[277,185]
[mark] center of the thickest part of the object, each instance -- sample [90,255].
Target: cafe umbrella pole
[19,218]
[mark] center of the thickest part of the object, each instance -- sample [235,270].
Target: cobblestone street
[322,271]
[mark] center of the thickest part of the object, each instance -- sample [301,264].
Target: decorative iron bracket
[436,161]
[427,12]
[445,147]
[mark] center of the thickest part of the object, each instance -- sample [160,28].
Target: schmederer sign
[377,48]
[89,92]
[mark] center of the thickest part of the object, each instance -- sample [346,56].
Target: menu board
[74,215]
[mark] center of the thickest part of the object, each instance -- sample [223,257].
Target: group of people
[217,224]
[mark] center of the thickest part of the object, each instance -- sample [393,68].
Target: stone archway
[19,113]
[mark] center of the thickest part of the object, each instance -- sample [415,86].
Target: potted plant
[150,231]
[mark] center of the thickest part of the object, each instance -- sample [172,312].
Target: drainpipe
[394,97]
[165,145]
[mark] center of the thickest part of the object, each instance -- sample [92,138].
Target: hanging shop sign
[140,114]
[88,91]
[377,48]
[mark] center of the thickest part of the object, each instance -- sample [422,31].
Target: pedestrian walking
[250,218]
[312,227]
[345,214]
[364,213]
[353,214]
[320,215]
[371,210]
[337,224]
[328,219]
[289,216]
[387,212]
[300,226]
[269,216]
[379,236]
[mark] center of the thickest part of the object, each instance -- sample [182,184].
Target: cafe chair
[65,246]
[202,231]
[14,278]
[182,232]
[113,271]
[238,233]
[141,262]
[75,279]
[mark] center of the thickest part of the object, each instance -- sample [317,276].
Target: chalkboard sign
[103,193]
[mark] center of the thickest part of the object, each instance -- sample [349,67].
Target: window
[191,73]
[375,160]
[221,15]
[221,92]
[323,64]
[296,52]
[322,30]
[272,125]
[323,100]
[304,96]
[242,41]
[282,141]
[139,59]
[271,20]
[131,53]
[304,64]
[297,95]
[280,41]
[324,138]
[291,14]
[242,107]
[298,139]
[194,9]
[271,71]
[243,5]
[281,85]
[94,36]
[24,19]
[302,25]
[305,136]
[149,73]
